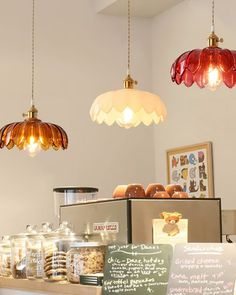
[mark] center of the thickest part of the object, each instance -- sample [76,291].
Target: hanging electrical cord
[129,37]
[33,51]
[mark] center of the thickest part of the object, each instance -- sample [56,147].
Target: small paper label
[110,227]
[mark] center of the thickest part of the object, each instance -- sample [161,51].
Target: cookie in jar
[83,259]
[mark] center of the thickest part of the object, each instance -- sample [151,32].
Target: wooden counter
[48,288]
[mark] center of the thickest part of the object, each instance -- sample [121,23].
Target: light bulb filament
[214,77]
[127,115]
[32,147]
[126,118]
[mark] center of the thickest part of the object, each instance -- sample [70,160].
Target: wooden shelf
[45,287]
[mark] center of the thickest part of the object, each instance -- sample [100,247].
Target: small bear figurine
[171,219]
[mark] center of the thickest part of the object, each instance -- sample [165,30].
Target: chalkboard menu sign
[137,269]
[207,269]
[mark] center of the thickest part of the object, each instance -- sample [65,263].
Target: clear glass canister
[72,195]
[55,248]
[34,261]
[5,257]
[18,256]
[83,259]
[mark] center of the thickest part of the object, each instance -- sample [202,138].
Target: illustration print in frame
[192,167]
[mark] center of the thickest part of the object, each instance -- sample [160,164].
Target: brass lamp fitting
[32,113]
[129,82]
[214,40]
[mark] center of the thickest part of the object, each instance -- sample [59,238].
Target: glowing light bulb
[127,115]
[33,147]
[126,118]
[214,78]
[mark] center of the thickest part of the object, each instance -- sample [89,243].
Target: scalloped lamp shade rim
[46,135]
[139,106]
[193,66]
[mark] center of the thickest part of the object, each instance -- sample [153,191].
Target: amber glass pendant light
[32,134]
[128,107]
[208,67]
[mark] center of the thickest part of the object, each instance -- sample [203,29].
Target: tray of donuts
[152,191]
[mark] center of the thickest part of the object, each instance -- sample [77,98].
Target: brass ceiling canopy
[32,134]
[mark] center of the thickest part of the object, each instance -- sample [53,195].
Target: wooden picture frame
[192,167]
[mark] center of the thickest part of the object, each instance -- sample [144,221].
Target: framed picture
[192,168]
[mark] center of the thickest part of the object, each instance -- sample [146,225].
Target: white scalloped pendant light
[128,107]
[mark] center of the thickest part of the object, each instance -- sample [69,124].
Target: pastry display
[153,188]
[172,188]
[84,261]
[129,191]
[180,195]
[161,195]
[119,192]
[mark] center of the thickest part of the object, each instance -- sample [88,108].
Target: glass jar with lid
[34,257]
[5,257]
[18,256]
[55,248]
[84,259]
[19,252]
[34,261]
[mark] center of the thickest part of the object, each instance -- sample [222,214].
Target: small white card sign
[203,269]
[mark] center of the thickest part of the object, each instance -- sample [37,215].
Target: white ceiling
[142,8]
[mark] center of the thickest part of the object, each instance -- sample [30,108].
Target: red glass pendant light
[32,134]
[208,67]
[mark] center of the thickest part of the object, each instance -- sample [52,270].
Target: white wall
[78,55]
[195,115]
